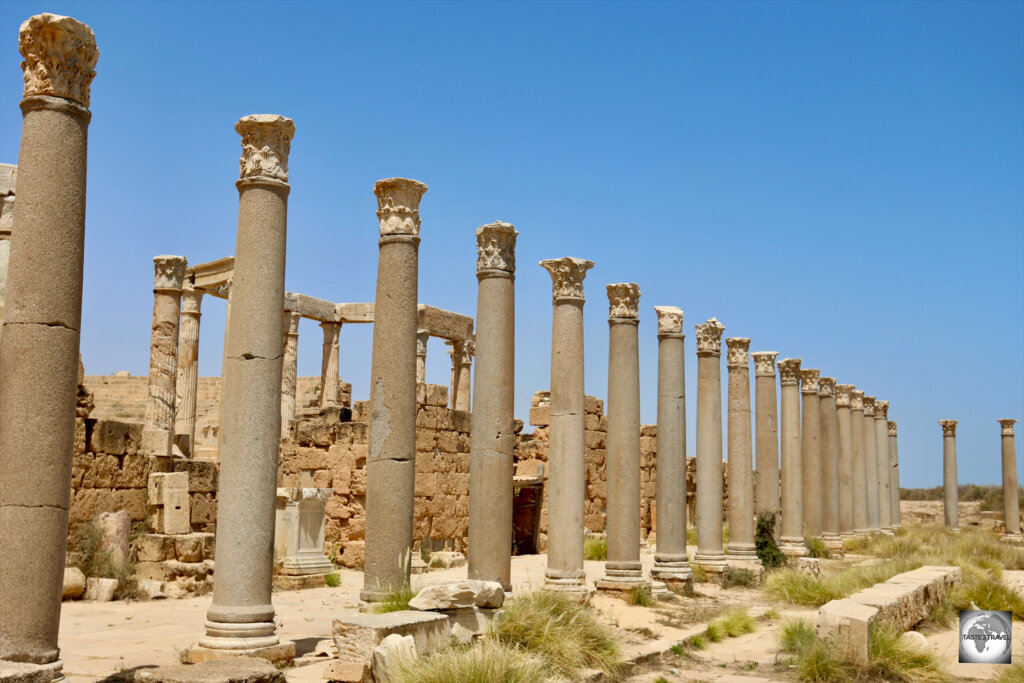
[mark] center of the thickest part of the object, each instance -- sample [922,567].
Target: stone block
[459,594]
[394,652]
[462,421]
[188,548]
[355,636]
[100,590]
[74,584]
[233,670]
[592,404]
[349,672]
[20,672]
[115,438]
[169,503]
[540,416]
[437,395]
[848,624]
[115,528]
[446,559]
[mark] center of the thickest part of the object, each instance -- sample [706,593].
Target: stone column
[462,366]
[39,346]
[884,465]
[241,617]
[188,365]
[766,439]
[894,456]
[860,465]
[422,337]
[1011,496]
[829,443]
[566,461]
[391,463]
[622,462]
[792,537]
[329,366]
[810,453]
[741,456]
[8,180]
[671,563]
[158,431]
[289,369]
[871,463]
[949,483]
[492,439]
[710,554]
[846,477]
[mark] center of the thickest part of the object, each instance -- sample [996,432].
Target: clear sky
[841,182]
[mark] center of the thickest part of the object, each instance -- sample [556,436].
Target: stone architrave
[1011,495]
[391,463]
[860,464]
[671,563]
[329,366]
[39,345]
[299,531]
[289,369]
[492,440]
[741,456]
[766,435]
[462,353]
[846,480]
[894,456]
[710,553]
[810,452]
[949,480]
[188,365]
[240,619]
[884,465]
[871,463]
[422,337]
[829,443]
[566,461]
[622,462]
[158,432]
[792,537]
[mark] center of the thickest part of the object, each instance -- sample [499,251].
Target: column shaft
[894,456]
[871,462]
[846,469]
[329,366]
[829,464]
[289,369]
[766,425]
[161,387]
[188,366]
[884,466]
[1011,495]
[741,456]
[860,465]
[951,495]
[792,477]
[462,366]
[810,453]
[710,552]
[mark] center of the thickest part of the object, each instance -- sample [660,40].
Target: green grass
[736,576]
[395,600]
[700,575]
[816,547]
[800,588]
[640,596]
[595,548]
[483,663]
[797,635]
[733,624]
[333,580]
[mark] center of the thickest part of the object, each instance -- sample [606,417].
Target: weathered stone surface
[233,670]
[458,594]
[189,547]
[154,548]
[394,652]
[169,507]
[115,528]
[74,583]
[447,559]
[115,438]
[348,672]
[100,590]
[19,672]
[355,636]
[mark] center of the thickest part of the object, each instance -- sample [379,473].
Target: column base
[672,571]
[713,563]
[302,566]
[887,531]
[571,589]
[1013,539]
[741,551]
[953,530]
[282,653]
[793,547]
[834,543]
[622,580]
[30,671]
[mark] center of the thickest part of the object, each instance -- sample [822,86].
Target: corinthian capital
[869,406]
[60,55]
[169,272]
[737,355]
[809,381]
[789,371]
[623,300]
[1007,426]
[496,247]
[856,400]
[843,395]
[709,337]
[398,205]
[461,352]
[266,141]
[948,427]
[670,319]
[567,275]
[764,363]
[892,428]
[826,386]
[881,409]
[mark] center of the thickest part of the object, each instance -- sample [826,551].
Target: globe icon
[984,637]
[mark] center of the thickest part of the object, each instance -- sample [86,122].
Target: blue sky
[841,182]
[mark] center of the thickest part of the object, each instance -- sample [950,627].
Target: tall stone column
[462,366]
[391,463]
[741,456]
[810,452]
[884,465]
[860,464]
[829,443]
[710,554]
[566,461]
[846,480]
[766,438]
[894,456]
[792,538]
[671,563]
[871,463]
[241,617]
[422,337]
[949,482]
[1011,495]
[39,346]
[158,432]
[329,366]
[188,365]
[492,439]
[622,462]
[289,369]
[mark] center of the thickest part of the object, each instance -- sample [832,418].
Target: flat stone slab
[355,636]
[19,672]
[233,670]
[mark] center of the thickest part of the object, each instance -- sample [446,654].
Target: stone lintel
[445,324]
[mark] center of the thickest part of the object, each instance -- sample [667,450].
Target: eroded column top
[266,142]
[496,247]
[881,409]
[291,322]
[843,395]
[809,381]
[567,275]
[191,299]
[422,337]
[869,406]
[856,400]
[670,319]
[1007,426]
[789,371]
[398,205]
[60,57]
[331,332]
[709,337]
[764,363]
[826,387]
[892,428]
[462,352]
[737,353]
[169,273]
[624,300]
[948,427]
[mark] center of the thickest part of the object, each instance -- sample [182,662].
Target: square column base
[834,543]
[713,564]
[571,589]
[793,548]
[281,654]
[1013,539]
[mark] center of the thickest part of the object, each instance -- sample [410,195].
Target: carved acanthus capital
[881,409]
[789,371]
[496,247]
[809,381]
[892,428]
[398,205]
[670,319]
[709,337]
[826,387]
[422,337]
[60,57]
[1007,426]
[869,406]
[948,427]
[462,352]
[266,142]
[764,363]
[737,352]
[169,273]
[624,300]
[856,400]
[843,395]
[567,275]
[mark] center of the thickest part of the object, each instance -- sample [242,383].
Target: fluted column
[860,464]
[871,463]
[1011,495]
[741,456]
[329,366]
[158,431]
[810,452]
[422,337]
[241,616]
[894,457]
[829,446]
[951,495]
[884,465]
[671,563]
[188,365]
[566,461]
[710,554]
[289,369]
[39,345]
[493,436]
[391,463]
[766,439]
[462,353]
[792,538]
[845,455]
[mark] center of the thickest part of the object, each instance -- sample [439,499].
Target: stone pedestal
[871,463]
[810,453]
[188,365]
[492,439]
[846,480]
[329,366]
[792,537]
[462,353]
[671,564]
[884,466]
[391,463]
[894,457]
[158,432]
[710,554]
[566,461]
[829,443]
[39,345]
[766,438]
[1011,495]
[951,496]
[289,369]
[741,456]
[299,531]
[860,465]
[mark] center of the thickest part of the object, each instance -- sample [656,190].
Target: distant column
[710,554]
[846,478]
[766,440]
[949,483]
[422,337]
[329,366]
[860,464]
[871,463]
[810,453]
[188,365]
[884,466]
[829,463]
[566,461]
[792,538]
[462,353]
[894,455]
[741,456]
[158,431]
[289,370]
[1011,496]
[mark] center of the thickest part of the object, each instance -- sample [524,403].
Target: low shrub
[485,662]
[395,600]
[764,541]
[737,576]
[640,596]
[333,580]
[595,548]
[816,548]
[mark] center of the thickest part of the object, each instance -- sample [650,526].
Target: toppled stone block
[74,584]
[446,559]
[20,672]
[233,670]
[100,590]
[393,653]
[848,624]
[459,594]
[355,636]
[153,590]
